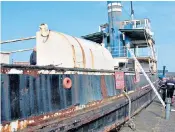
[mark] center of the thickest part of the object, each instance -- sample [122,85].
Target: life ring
[67,83]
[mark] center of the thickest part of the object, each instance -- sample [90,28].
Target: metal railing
[17,40]
[121,51]
[140,24]
[144,53]
[10,59]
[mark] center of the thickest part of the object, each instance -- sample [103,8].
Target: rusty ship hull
[38,102]
[80,84]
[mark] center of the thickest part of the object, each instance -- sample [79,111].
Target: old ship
[80,84]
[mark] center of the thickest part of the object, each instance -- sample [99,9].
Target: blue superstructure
[114,17]
[116,34]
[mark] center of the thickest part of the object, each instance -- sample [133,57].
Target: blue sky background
[22,19]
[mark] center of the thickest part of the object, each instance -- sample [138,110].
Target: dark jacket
[171,81]
[33,58]
[170,87]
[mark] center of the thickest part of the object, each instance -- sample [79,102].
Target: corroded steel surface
[51,67]
[38,102]
[5,70]
[92,57]
[74,57]
[31,72]
[83,53]
[73,48]
[103,87]
[84,115]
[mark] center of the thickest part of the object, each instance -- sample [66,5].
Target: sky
[22,19]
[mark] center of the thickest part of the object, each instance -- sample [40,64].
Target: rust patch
[67,112]
[4,70]
[56,118]
[83,53]
[74,56]
[103,87]
[73,49]
[92,58]
[31,72]
[112,126]
[36,120]
[64,37]
[75,89]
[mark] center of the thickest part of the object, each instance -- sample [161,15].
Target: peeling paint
[92,58]
[32,98]
[83,53]
[103,87]
[19,125]
[74,56]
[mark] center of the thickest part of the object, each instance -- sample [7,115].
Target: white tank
[62,50]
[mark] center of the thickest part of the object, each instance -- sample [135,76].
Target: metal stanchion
[168,108]
[168,100]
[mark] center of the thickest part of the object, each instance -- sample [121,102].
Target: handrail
[15,51]
[123,51]
[16,40]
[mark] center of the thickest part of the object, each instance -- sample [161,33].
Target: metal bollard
[168,108]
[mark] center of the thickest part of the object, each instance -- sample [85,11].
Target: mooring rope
[16,40]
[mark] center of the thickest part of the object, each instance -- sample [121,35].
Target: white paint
[115,9]
[57,50]
[73,72]
[129,73]
[1,127]
[112,4]
[15,71]
[5,57]
[14,126]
